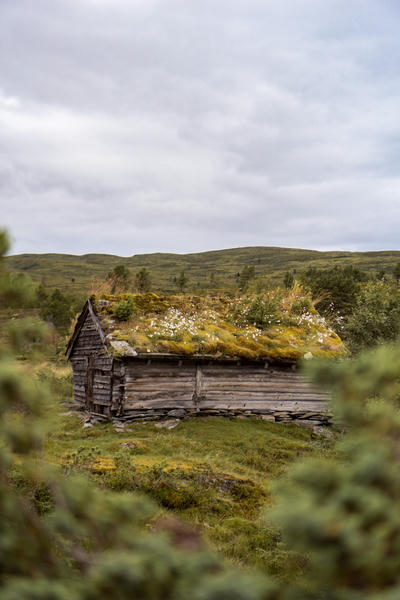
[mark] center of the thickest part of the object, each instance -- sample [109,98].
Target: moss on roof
[273,325]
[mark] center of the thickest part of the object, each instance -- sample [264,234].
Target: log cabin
[146,357]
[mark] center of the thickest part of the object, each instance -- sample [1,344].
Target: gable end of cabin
[92,365]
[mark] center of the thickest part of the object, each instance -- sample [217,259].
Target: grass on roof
[276,324]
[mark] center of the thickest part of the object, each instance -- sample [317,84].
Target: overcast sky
[130,126]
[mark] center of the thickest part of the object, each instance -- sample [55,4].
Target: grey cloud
[155,125]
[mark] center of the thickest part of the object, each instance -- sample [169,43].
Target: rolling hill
[74,273]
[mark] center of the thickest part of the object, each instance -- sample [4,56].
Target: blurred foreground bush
[346,515]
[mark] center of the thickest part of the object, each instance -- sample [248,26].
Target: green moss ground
[215,473]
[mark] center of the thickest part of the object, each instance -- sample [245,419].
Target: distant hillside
[74,273]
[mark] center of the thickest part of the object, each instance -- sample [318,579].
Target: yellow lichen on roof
[271,325]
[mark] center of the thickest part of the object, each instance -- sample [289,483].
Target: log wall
[160,388]
[158,384]
[92,370]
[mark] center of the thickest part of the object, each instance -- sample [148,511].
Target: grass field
[75,273]
[217,474]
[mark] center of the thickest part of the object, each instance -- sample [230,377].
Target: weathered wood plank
[160,394]
[104,401]
[284,406]
[103,363]
[80,399]
[260,395]
[160,374]
[251,372]
[161,378]
[242,381]
[243,370]
[79,372]
[105,379]
[264,397]
[88,339]
[261,385]
[88,333]
[79,376]
[163,403]
[91,349]
[173,386]
[79,387]
[101,391]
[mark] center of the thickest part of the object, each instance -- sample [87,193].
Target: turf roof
[272,325]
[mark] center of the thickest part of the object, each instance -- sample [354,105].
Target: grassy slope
[74,273]
[214,473]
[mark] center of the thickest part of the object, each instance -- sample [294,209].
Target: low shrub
[124,309]
[264,311]
[301,305]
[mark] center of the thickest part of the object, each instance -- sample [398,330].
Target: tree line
[120,280]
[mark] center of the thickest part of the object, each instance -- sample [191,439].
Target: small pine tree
[41,295]
[288,280]
[376,316]
[124,309]
[182,281]
[57,309]
[381,275]
[337,289]
[143,281]
[246,275]
[119,278]
[263,312]
[396,271]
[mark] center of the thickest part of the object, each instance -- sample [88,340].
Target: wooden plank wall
[257,388]
[158,384]
[88,344]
